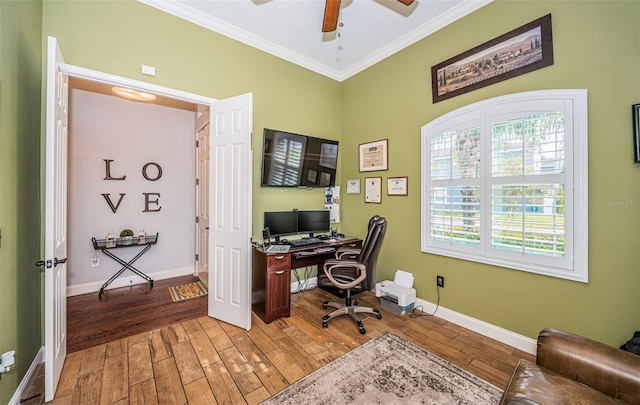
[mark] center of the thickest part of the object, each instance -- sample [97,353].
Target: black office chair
[353,252]
[358,274]
[350,253]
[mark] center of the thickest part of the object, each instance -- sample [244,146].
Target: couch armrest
[605,368]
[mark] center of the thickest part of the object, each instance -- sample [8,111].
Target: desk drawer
[278,261]
[354,244]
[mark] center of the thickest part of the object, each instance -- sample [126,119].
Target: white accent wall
[131,134]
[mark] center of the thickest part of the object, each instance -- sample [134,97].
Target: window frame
[574,264]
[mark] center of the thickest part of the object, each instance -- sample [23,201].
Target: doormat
[389,370]
[188,291]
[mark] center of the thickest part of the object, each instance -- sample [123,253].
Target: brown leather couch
[572,369]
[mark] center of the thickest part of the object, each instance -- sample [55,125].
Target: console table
[271,276]
[102,244]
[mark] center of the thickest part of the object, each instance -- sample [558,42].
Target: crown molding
[221,27]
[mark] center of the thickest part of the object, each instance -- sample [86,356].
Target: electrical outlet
[440,281]
[95,261]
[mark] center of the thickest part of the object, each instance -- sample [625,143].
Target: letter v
[106,197]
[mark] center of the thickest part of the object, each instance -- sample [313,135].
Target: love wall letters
[150,199]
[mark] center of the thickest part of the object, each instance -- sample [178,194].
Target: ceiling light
[133,94]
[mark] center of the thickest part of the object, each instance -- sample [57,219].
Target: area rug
[389,370]
[188,291]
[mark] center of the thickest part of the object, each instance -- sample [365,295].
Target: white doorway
[233,156]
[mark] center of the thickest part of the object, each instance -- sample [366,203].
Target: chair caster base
[324,305]
[377,312]
[325,324]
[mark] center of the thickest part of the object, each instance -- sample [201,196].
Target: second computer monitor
[314,222]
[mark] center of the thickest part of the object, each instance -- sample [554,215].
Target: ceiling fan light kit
[332,10]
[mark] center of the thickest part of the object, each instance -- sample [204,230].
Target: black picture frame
[635,112]
[519,51]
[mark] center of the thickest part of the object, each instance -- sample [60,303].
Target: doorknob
[48,264]
[57,262]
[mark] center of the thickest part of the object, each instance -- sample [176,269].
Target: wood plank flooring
[126,311]
[199,360]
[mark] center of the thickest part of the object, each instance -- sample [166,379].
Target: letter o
[146,176]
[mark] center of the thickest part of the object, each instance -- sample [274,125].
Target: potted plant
[127,236]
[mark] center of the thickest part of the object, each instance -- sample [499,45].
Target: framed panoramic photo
[374,156]
[519,51]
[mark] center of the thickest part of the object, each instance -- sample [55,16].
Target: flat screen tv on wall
[294,160]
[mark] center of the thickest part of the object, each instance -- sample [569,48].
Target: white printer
[395,297]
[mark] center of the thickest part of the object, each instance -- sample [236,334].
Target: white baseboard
[127,280]
[15,399]
[304,284]
[505,336]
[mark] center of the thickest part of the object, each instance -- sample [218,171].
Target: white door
[202,196]
[230,211]
[55,233]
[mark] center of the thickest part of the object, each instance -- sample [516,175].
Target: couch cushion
[532,384]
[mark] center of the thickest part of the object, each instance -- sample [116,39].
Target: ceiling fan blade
[406,2]
[331,10]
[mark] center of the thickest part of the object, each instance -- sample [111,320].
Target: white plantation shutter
[505,182]
[454,191]
[528,183]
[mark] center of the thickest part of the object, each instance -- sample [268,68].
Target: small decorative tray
[123,242]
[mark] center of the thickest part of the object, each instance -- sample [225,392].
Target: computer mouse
[284,241]
[340,235]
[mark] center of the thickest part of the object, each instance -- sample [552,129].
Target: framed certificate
[373,190]
[397,185]
[353,186]
[374,156]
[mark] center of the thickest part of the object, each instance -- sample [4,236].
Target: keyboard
[314,252]
[278,249]
[305,242]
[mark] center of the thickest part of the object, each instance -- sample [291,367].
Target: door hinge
[197,257]
[197,143]
[197,182]
[197,219]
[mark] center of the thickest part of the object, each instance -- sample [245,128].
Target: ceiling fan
[332,9]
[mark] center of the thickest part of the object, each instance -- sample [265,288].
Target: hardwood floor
[199,360]
[127,311]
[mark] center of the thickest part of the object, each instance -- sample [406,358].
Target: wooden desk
[271,278]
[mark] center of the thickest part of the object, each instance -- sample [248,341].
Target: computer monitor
[281,223]
[314,222]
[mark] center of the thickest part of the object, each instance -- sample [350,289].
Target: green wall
[596,48]
[116,37]
[595,45]
[20,280]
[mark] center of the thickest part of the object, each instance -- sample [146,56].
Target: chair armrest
[334,264]
[605,368]
[345,253]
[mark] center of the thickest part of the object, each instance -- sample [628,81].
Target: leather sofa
[572,369]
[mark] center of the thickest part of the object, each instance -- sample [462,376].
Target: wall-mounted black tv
[294,160]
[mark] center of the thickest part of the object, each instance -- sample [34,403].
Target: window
[504,182]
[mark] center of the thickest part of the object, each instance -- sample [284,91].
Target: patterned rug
[187,291]
[389,370]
